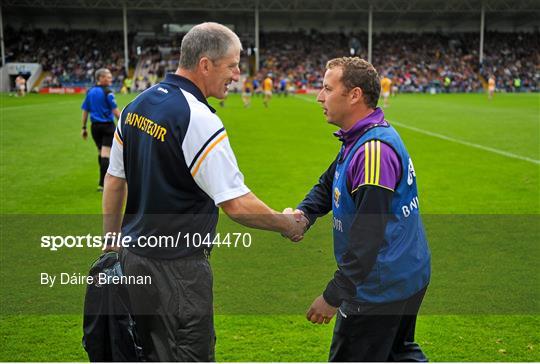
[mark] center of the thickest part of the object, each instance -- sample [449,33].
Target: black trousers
[377,332]
[174,314]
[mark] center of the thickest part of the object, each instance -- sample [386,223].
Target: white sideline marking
[450,139]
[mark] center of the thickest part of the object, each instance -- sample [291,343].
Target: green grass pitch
[477,164]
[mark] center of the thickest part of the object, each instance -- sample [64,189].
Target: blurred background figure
[20,85]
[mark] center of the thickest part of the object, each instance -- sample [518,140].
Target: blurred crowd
[415,62]
[72,57]
[425,62]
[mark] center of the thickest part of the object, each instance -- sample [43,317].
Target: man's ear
[204,65]
[356,95]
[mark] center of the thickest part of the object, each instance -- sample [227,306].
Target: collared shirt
[174,152]
[100,103]
[381,157]
[205,145]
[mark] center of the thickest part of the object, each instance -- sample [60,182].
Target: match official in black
[102,107]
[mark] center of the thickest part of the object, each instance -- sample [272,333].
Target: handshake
[297,224]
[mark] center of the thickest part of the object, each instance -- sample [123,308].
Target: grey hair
[210,40]
[100,72]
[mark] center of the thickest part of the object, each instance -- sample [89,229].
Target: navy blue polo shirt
[99,103]
[178,164]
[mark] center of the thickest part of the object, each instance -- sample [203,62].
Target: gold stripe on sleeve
[372,162]
[378,164]
[118,138]
[366,163]
[201,159]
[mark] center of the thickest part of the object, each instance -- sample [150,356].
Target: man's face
[105,79]
[334,98]
[221,73]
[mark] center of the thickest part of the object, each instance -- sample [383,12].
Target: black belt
[200,253]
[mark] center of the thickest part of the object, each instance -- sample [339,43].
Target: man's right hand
[297,224]
[84,134]
[249,211]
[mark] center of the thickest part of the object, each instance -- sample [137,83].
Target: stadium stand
[416,63]
[434,53]
[69,57]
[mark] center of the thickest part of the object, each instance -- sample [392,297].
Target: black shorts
[103,133]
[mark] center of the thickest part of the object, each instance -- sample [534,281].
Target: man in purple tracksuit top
[379,242]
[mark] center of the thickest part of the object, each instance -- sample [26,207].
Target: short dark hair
[358,72]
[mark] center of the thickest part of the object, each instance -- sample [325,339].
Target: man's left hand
[320,311]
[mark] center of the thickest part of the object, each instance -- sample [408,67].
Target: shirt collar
[189,86]
[359,128]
